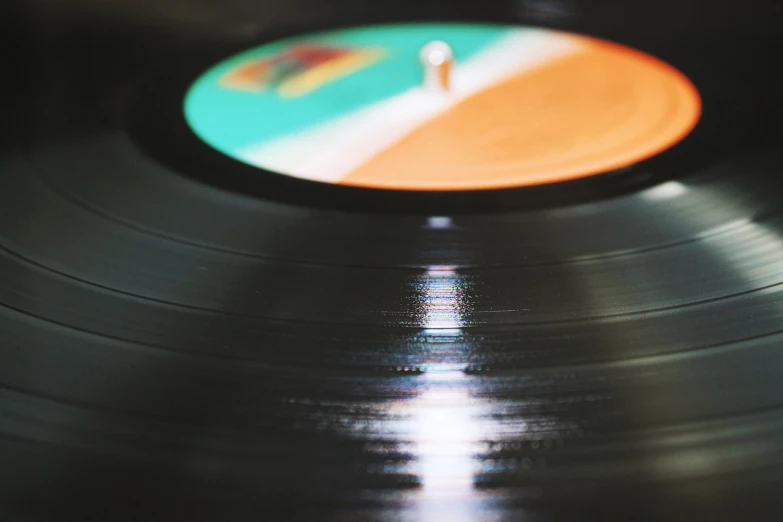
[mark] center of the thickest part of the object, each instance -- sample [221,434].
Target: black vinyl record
[183,337]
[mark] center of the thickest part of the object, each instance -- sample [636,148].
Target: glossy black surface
[170,350]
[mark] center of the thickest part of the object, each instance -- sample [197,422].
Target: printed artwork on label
[526,106]
[299,69]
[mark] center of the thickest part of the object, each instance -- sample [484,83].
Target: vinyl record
[461,313]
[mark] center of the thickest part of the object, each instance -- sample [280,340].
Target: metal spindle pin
[438,61]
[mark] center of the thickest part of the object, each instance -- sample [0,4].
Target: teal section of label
[230,120]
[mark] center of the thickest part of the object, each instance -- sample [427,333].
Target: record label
[518,107]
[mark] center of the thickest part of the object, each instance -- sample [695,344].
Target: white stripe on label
[332,150]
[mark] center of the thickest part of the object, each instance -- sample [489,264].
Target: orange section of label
[600,109]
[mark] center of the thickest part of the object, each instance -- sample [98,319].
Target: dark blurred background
[31,27]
